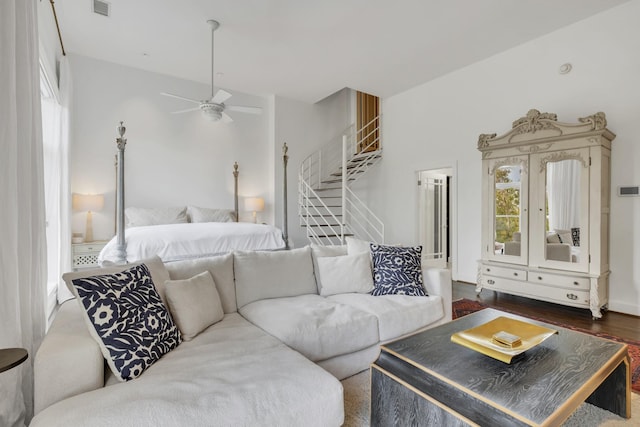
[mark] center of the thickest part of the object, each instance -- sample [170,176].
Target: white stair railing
[322,178]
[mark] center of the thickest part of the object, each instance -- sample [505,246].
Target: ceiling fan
[214,107]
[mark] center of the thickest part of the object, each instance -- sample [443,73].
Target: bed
[187,232]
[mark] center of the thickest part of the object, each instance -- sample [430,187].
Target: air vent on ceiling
[101,7]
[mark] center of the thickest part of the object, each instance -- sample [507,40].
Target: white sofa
[276,357]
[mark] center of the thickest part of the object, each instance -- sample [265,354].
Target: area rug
[465,306]
[356,408]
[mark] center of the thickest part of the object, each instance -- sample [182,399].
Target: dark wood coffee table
[426,379]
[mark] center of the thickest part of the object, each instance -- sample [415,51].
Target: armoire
[545,210]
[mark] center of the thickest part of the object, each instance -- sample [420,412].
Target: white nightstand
[85,255]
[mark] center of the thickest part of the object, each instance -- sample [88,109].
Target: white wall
[305,128]
[171,160]
[437,125]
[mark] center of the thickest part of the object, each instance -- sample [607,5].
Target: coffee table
[425,379]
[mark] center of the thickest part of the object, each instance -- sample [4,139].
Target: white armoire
[545,210]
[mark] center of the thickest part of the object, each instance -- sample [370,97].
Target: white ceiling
[307,50]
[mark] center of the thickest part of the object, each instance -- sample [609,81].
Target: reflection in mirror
[562,225]
[507,210]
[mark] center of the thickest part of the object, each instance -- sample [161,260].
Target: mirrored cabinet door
[560,222]
[507,214]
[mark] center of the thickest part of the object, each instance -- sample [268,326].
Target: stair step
[321,215]
[324,225]
[330,236]
[340,173]
[327,189]
[333,181]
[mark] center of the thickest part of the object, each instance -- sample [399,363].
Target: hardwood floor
[618,324]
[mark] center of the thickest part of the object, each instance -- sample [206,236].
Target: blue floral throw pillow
[397,270]
[128,319]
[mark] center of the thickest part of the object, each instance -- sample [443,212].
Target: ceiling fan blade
[226,118]
[220,96]
[180,97]
[185,111]
[241,109]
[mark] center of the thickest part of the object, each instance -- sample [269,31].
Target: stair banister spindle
[344,187]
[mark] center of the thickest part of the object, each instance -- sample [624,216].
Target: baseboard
[624,307]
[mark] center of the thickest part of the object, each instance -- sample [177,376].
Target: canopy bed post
[285,230]
[121,249]
[235,190]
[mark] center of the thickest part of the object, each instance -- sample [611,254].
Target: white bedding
[172,242]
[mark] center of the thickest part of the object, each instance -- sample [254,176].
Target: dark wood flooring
[618,324]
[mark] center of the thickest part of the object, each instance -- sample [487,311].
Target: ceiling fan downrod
[214,26]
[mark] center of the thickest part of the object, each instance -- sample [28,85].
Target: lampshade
[254,204]
[88,202]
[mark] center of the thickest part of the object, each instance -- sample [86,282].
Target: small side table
[12,357]
[85,255]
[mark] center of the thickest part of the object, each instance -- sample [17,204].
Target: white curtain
[22,211]
[563,193]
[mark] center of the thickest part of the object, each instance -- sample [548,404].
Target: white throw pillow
[197,214]
[194,304]
[139,217]
[357,246]
[344,274]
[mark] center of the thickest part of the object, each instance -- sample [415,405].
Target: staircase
[328,209]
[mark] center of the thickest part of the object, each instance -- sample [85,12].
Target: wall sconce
[255,205]
[89,203]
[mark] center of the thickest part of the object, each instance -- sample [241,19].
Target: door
[433,217]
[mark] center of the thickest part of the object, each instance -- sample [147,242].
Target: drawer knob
[491,282]
[572,296]
[515,274]
[576,283]
[539,277]
[488,269]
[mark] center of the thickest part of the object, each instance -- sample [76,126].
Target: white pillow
[357,246]
[194,304]
[138,217]
[197,214]
[344,274]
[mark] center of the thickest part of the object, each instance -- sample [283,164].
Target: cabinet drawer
[579,283]
[568,296]
[87,248]
[510,273]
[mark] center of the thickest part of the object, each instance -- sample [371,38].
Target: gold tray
[481,340]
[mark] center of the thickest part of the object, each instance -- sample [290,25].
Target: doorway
[435,211]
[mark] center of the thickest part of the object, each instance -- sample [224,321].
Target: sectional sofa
[287,326]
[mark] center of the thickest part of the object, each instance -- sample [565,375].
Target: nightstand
[85,255]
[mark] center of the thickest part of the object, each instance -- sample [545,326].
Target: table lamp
[255,205]
[90,203]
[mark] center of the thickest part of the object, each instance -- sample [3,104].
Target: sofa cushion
[232,374]
[313,325]
[194,304]
[262,274]
[397,270]
[221,269]
[127,318]
[343,274]
[397,314]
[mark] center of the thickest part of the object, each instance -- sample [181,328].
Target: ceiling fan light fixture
[212,112]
